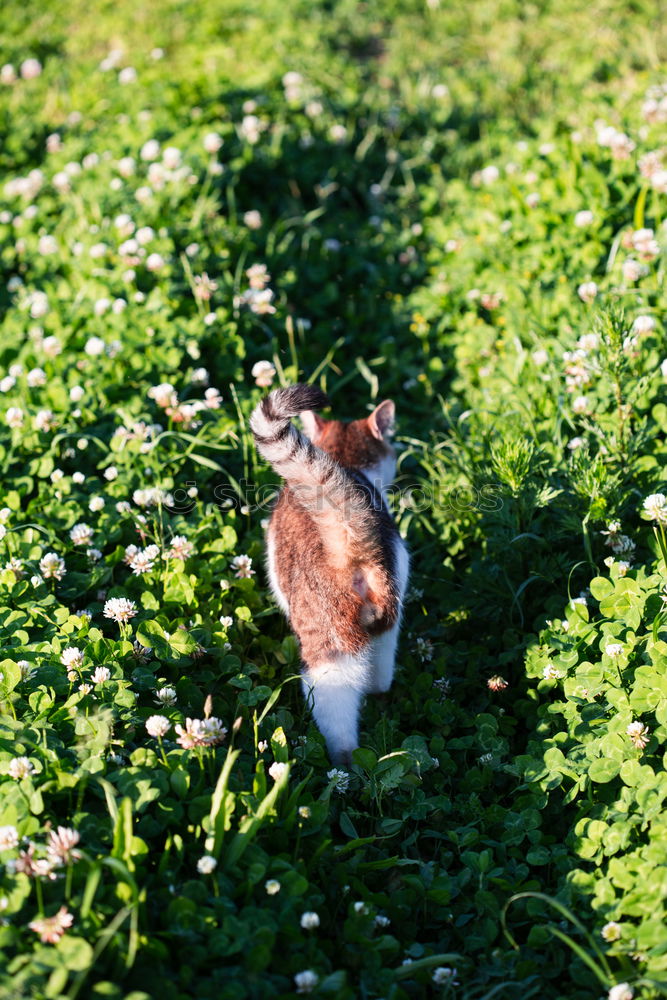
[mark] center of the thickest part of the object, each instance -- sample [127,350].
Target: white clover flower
[632,270]
[656,507]
[94,347]
[96,504]
[340,780]
[252,219]
[30,68]
[263,373]
[144,235]
[212,399]
[155,262]
[424,649]
[51,929]
[587,291]
[226,621]
[551,672]
[14,417]
[36,377]
[72,657]
[52,566]
[278,770]
[638,733]
[645,243]
[20,767]
[622,991]
[443,974]
[200,376]
[206,864]
[381,921]
[611,931]
[81,534]
[9,838]
[62,844]
[243,566]
[251,128]
[44,420]
[258,276]
[157,726]
[150,150]
[200,733]
[309,920]
[659,181]
[272,886]
[172,157]
[165,696]
[584,218]
[614,649]
[643,324]
[180,548]
[258,301]
[489,174]
[141,560]
[100,675]
[120,609]
[307,980]
[101,306]
[360,907]
[212,142]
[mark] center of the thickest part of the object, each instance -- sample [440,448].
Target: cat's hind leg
[335,689]
[382,659]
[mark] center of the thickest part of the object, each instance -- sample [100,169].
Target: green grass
[419,197]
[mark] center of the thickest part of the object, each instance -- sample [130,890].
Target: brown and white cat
[337,565]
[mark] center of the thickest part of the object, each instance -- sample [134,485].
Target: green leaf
[602,769]
[10,675]
[601,587]
[182,643]
[153,636]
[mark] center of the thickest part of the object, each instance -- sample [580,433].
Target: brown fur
[333,551]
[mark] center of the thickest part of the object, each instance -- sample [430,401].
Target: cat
[337,566]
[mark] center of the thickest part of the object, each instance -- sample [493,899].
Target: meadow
[459,207]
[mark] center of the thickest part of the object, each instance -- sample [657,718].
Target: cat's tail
[321,485]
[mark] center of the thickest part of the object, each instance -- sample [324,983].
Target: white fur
[381,475]
[335,690]
[383,647]
[273,576]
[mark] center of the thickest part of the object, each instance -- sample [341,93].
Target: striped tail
[319,483]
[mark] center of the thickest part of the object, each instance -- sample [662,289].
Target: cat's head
[364,445]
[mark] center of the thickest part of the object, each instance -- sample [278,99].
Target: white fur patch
[383,648]
[335,690]
[381,475]
[402,558]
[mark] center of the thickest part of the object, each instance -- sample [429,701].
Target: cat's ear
[381,420]
[312,423]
